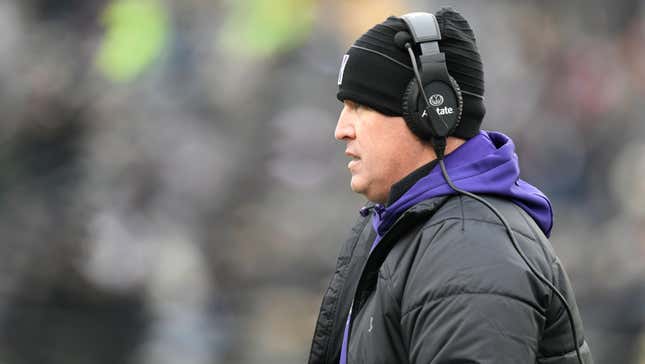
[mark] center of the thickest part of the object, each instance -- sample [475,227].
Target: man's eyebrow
[352,104]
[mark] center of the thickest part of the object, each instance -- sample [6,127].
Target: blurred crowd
[172,193]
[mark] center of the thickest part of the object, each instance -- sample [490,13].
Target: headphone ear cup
[420,126]
[446,105]
[460,102]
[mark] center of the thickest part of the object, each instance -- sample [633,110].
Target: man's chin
[361,187]
[357,185]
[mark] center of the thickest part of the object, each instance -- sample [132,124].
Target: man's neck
[400,188]
[403,185]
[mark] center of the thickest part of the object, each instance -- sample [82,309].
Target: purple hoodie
[485,164]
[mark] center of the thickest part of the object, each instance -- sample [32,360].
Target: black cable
[439,144]
[418,77]
[519,251]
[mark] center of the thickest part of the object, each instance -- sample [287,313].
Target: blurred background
[170,190]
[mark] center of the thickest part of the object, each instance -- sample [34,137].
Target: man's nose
[344,128]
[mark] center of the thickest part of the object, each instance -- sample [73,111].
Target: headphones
[436,117]
[432,102]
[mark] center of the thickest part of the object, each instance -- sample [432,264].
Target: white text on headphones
[440,111]
[444,110]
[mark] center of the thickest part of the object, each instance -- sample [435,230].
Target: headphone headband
[423,26]
[426,33]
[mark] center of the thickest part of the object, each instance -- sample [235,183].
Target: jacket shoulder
[464,248]
[461,267]
[470,211]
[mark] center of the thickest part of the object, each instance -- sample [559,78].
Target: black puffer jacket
[445,285]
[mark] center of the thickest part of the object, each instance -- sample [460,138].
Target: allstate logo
[436,100]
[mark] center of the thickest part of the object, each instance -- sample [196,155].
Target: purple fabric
[485,164]
[343,348]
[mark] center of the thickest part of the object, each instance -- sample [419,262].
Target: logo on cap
[342,69]
[436,100]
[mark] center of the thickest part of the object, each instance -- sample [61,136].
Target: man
[430,275]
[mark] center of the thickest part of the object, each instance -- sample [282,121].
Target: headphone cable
[418,77]
[519,251]
[439,144]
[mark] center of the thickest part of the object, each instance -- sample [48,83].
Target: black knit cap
[375,71]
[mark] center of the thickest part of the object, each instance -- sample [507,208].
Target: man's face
[382,148]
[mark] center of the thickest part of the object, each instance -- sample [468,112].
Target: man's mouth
[354,157]
[351,154]
[353,162]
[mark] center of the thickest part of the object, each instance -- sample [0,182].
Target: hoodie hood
[485,164]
